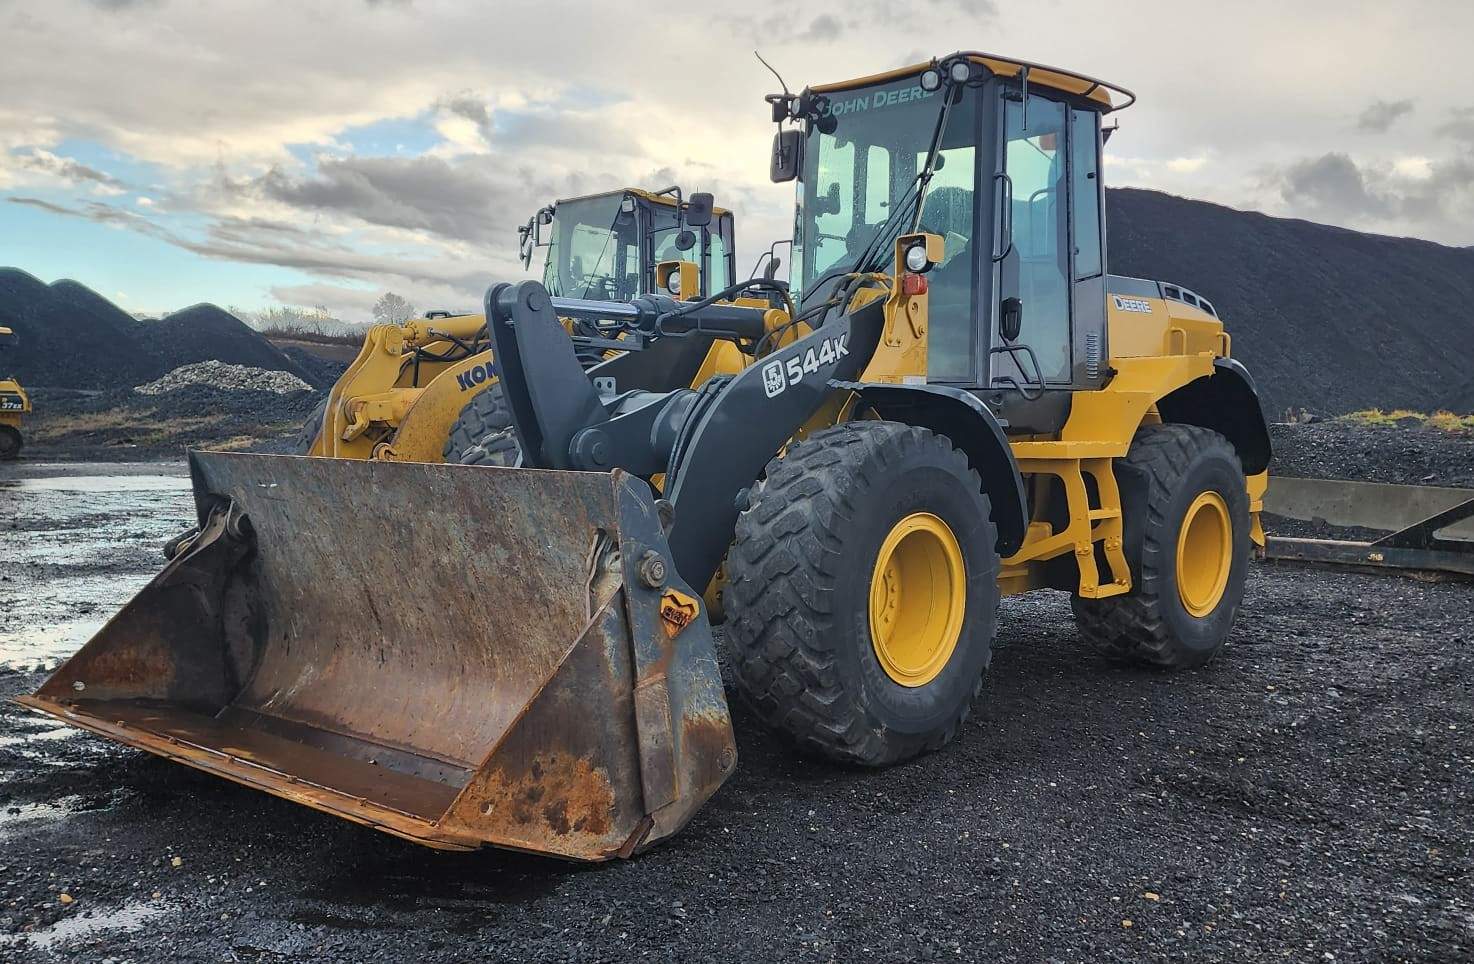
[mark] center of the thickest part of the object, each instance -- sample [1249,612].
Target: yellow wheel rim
[917,596]
[1204,554]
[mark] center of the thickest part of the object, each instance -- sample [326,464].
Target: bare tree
[391,309]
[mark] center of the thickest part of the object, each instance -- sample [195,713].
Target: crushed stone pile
[226,377]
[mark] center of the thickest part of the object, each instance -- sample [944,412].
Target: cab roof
[1109,96]
[639,192]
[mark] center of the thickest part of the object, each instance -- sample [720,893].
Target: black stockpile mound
[69,336]
[204,332]
[1327,319]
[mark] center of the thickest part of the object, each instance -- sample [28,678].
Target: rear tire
[482,434]
[1176,616]
[810,566]
[10,443]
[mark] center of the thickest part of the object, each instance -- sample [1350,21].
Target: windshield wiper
[910,202]
[915,203]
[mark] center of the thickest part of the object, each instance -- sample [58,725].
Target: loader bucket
[457,655]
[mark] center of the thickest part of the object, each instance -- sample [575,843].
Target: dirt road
[1308,797]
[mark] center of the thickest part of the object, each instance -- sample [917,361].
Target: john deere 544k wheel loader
[425,391]
[972,407]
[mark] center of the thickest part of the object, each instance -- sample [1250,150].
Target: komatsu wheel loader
[424,391]
[959,403]
[14,403]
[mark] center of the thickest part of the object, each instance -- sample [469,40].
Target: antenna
[781,81]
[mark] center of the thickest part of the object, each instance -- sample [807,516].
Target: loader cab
[605,247]
[1016,195]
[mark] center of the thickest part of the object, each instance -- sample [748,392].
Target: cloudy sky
[319,152]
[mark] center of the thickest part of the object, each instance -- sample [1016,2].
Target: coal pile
[206,332]
[67,336]
[70,337]
[1327,319]
[232,378]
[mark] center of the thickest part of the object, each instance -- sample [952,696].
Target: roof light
[960,71]
[931,80]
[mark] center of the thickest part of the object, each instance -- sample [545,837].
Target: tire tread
[1131,627]
[782,570]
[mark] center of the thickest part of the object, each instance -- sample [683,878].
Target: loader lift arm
[712,444]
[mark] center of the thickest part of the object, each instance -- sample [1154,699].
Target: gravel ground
[127,425]
[1304,798]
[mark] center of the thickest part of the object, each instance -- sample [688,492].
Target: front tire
[482,433]
[863,592]
[1186,510]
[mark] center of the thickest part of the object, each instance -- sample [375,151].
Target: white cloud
[1417,168]
[214,95]
[1187,165]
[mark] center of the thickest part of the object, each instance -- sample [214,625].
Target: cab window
[1085,190]
[715,275]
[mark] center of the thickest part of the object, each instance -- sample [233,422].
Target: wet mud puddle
[77,540]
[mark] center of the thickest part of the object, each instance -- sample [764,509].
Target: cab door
[1050,268]
[1034,270]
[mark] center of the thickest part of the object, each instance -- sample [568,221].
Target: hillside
[1327,319]
[68,336]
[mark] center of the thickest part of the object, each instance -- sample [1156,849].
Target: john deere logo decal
[773,379]
[1133,304]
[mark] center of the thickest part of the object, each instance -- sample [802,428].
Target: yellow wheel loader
[424,391]
[14,403]
[958,403]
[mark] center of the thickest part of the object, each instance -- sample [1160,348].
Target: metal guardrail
[1429,528]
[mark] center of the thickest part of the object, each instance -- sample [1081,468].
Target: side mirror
[1011,319]
[685,240]
[699,209]
[528,238]
[787,156]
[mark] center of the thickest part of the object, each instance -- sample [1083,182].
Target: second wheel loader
[425,391]
[961,404]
